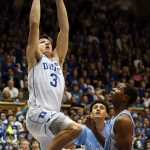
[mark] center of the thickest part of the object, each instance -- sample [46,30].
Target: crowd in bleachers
[107,45]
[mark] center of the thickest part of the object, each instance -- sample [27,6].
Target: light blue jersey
[88,140]
[111,142]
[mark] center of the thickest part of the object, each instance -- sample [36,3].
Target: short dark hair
[131,92]
[31,142]
[99,101]
[45,36]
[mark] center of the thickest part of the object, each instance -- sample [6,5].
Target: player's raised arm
[62,39]
[33,39]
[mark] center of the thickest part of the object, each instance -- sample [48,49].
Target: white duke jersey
[111,142]
[46,84]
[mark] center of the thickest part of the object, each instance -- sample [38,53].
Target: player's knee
[76,128]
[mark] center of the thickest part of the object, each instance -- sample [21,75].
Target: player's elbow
[33,21]
[34,25]
[66,29]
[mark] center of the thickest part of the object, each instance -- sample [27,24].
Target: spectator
[24,90]
[34,145]
[20,98]
[146,99]
[24,144]
[13,90]
[147,144]
[11,76]
[138,103]
[137,141]
[67,96]
[6,96]
[114,35]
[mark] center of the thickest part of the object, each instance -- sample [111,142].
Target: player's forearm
[34,18]
[62,16]
[99,136]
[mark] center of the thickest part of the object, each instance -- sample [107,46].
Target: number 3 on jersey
[54,80]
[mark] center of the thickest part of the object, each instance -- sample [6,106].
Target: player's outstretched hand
[90,123]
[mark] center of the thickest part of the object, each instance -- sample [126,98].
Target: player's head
[124,93]
[45,43]
[99,109]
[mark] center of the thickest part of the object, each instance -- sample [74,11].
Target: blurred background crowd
[109,43]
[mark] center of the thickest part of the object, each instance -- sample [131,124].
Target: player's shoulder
[124,121]
[123,124]
[85,129]
[108,123]
[124,117]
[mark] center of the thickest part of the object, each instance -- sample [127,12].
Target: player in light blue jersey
[122,125]
[98,112]
[44,120]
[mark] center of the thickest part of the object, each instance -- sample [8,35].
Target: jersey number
[54,80]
